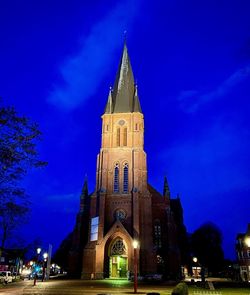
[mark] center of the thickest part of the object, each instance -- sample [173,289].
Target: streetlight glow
[135,244]
[247,241]
[195,259]
[38,250]
[45,255]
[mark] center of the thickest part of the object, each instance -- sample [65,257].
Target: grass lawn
[199,291]
[192,290]
[222,291]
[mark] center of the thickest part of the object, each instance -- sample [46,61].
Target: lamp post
[45,256]
[195,260]
[247,241]
[135,245]
[38,251]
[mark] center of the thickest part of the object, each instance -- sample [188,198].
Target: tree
[206,244]
[61,256]
[18,154]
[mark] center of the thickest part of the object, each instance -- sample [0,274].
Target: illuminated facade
[243,254]
[124,207]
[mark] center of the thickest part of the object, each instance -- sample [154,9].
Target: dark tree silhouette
[18,154]
[62,253]
[206,244]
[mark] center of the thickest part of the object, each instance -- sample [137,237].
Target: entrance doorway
[118,266]
[118,259]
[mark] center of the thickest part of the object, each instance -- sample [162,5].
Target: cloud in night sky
[191,100]
[83,72]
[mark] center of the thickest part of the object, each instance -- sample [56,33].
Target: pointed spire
[85,184]
[137,106]
[166,191]
[84,194]
[109,105]
[124,97]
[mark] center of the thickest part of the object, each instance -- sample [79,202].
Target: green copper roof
[124,97]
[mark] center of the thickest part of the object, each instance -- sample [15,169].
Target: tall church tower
[124,207]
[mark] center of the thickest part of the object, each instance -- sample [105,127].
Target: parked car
[6,277]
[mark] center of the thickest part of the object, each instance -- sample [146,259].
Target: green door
[123,267]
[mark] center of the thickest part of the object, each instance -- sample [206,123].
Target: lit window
[118,135]
[125,178]
[94,229]
[116,178]
[157,234]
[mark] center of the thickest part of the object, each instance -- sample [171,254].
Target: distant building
[243,254]
[124,207]
[11,260]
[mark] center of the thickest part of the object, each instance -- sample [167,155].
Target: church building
[124,207]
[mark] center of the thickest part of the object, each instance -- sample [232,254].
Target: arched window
[116,178]
[125,136]
[125,178]
[157,234]
[118,248]
[118,137]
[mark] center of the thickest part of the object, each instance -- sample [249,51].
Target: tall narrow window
[157,234]
[125,136]
[118,135]
[116,178]
[125,178]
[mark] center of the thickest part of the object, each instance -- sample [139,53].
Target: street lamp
[38,251]
[45,256]
[195,260]
[247,241]
[135,245]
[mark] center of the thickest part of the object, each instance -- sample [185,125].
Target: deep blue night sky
[191,60]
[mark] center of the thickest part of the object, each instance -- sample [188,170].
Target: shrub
[180,289]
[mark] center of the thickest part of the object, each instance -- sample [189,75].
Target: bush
[180,289]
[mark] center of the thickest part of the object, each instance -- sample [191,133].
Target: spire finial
[166,191]
[125,36]
[85,184]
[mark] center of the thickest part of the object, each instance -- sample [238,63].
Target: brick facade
[124,207]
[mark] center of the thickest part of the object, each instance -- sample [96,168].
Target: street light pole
[247,242]
[135,244]
[38,251]
[45,256]
[195,260]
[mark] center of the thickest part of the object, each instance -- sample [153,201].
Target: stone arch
[110,241]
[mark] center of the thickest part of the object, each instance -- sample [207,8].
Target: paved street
[104,287]
[77,287]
